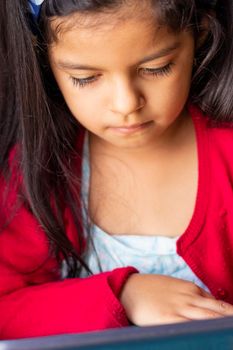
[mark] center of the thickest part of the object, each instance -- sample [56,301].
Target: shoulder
[218,137]
[23,242]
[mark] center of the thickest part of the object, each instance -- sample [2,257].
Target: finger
[194,289]
[198,313]
[206,294]
[214,305]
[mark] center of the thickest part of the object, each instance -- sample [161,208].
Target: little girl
[118,203]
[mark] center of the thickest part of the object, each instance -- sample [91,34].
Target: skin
[123,92]
[133,106]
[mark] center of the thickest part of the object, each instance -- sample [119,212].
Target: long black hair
[9,79]
[47,132]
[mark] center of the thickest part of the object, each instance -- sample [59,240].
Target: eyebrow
[163,52]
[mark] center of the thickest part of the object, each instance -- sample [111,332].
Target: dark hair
[9,77]
[48,132]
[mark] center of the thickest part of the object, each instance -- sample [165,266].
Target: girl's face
[126,81]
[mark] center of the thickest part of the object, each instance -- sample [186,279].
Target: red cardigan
[34,301]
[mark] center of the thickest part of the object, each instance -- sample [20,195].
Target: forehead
[85,25]
[115,38]
[104,17]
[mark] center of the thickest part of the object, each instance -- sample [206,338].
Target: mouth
[129,129]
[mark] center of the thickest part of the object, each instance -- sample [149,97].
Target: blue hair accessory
[35,6]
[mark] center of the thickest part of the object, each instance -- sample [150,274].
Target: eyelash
[84,81]
[155,72]
[166,70]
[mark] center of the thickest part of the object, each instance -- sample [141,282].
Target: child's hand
[158,299]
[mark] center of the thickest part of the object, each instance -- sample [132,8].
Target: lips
[127,129]
[131,126]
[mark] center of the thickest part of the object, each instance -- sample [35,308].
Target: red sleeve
[34,301]
[69,306]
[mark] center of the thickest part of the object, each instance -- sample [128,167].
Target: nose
[126,98]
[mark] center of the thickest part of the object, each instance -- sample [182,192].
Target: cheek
[168,98]
[170,92]
[84,106]
[77,99]
[180,83]
[79,106]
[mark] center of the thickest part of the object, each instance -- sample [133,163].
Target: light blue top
[149,254]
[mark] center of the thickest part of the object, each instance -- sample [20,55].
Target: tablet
[214,334]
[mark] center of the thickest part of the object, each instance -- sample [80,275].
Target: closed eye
[81,82]
[154,72]
[162,71]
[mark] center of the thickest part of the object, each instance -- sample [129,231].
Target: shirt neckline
[201,201]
